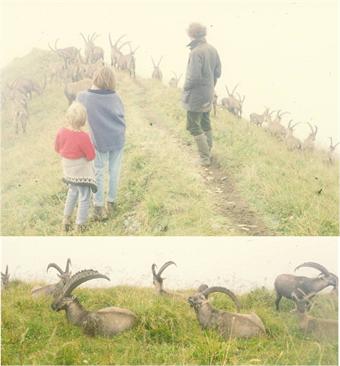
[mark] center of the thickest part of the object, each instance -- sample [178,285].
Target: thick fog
[240,263]
[282,53]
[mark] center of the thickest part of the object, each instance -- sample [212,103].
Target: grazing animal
[5,279]
[331,149]
[70,55]
[296,288]
[309,143]
[292,142]
[105,322]
[54,289]
[173,82]
[157,73]
[93,53]
[157,279]
[72,89]
[228,324]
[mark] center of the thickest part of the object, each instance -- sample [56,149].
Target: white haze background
[282,53]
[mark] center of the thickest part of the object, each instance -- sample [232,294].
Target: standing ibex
[56,288]
[68,54]
[296,288]
[157,279]
[259,119]
[28,86]
[309,142]
[20,114]
[157,73]
[128,62]
[105,322]
[173,82]
[226,323]
[93,53]
[275,127]
[292,142]
[115,50]
[331,150]
[5,279]
[232,104]
[72,89]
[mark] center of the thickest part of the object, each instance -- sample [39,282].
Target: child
[77,153]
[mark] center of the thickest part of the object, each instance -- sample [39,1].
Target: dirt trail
[229,201]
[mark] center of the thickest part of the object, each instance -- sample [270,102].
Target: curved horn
[159,61]
[153,62]
[110,40]
[116,44]
[317,266]
[54,265]
[81,277]
[122,45]
[83,37]
[311,127]
[68,263]
[232,93]
[316,130]
[164,267]
[224,290]
[153,269]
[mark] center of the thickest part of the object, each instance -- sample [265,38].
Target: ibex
[68,54]
[20,114]
[54,289]
[331,150]
[275,127]
[88,70]
[292,142]
[157,73]
[309,142]
[105,322]
[259,119]
[296,288]
[28,86]
[128,62]
[226,323]
[232,104]
[5,279]
[93,53]
[157,279]
[173,82]
[115,50]
[72,89]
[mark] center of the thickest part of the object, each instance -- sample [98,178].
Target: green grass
[162,189]
[167,331]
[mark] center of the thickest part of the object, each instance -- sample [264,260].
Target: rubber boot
[209,136]
[203,149]
[67,223]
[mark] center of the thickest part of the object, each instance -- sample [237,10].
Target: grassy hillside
[255,186]
[167,332]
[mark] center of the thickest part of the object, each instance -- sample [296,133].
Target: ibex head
[330,278]
[157,278]
[63,275]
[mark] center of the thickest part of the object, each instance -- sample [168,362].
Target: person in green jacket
[203,70]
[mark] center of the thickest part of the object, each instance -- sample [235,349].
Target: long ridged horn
[153,62]
[54,265]
[116,44]
[159,61]
[317,266]
[232,93]
[164,266]
[79,278]
[224,290]
[68,263]
[122,45]
[153,269]
[83,37]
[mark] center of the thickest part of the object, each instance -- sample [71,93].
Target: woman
[107,127]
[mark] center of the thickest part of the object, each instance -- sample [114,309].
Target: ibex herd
[110,321]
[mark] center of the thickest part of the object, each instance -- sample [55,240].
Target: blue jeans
[113,159]
[82,195]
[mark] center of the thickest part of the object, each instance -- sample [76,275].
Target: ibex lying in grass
[70,55]
[157,278]
[309,142]
[5,279]
[275,127]
[292,142]
[55,289]
[72,89]
[93,53]
[157,73]
[259,119]
[173,82]
[296,288]
[331,150]
[228,324]
[105,322]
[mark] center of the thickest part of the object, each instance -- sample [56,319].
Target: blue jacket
[105,113]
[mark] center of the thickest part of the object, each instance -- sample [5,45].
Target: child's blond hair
[104,79]
[76,115]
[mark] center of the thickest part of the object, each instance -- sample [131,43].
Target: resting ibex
[173,82]
[157,278]
[275,127]
[115,50]
[72,89]
[292,142]
[5,279]
[157,73]
[296,288]
[68,54]
[226,323]
[93,53]
[331,150]
[309,142]
[55,289]
[259,119]
[105,322]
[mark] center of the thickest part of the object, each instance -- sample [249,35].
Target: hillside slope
[255,186]
[167,332]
